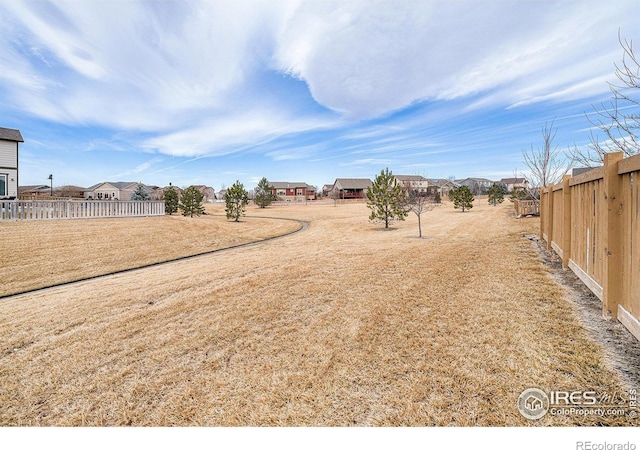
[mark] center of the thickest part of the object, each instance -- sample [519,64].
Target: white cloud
[135,65]
[232,133]
[366,59]
[190,75]
[140,168]
[367,162]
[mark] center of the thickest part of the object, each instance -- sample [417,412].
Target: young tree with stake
[418,203]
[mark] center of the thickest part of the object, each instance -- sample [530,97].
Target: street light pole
[51,179]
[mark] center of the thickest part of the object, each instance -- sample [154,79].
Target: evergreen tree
[386,199]
[170,200]
[495,194]
[518,193]
[263,194]
[462,198]
[236,200]
[140,194]
[191,202]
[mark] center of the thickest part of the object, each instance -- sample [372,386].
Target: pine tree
[191,202]
[236,199]
[462,198]
[386,199]
[140,194]
[263,194]
[495,194]
[517,193]
[170,200]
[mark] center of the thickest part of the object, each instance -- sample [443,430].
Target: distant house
[441,186]
[415,182]
[350,188]
[208,193]
[36,190]
[515,183]
[120,190]
[326,190]
[476,185]
[293,191]
[158,194]
[9,141]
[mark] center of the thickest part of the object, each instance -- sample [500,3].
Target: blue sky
[218,91]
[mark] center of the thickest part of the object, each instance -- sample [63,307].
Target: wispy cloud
[302,81]
[140,168]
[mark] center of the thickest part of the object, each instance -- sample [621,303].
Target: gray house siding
[9,141]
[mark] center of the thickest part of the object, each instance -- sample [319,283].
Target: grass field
[58,251]
[342,324]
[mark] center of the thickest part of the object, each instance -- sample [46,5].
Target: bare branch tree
[546,164]
[418,202]
[618,120]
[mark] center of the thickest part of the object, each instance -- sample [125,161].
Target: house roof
[353,183]
[289,185]
[33,188]
[202,187]
[118,185]
[441,182]
[410,178]
[477,180]
[9,134]
[513,180]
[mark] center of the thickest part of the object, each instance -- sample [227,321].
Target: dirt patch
[621,348]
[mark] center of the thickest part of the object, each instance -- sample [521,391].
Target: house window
[3,185]
[299,192]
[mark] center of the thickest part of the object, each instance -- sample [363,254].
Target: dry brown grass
[46,253]
[340,325]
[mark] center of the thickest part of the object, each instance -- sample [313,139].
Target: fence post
[566,225]
[612,228]
[543,212]
[550,217]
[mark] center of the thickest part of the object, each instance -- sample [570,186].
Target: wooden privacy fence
[74,209]
[592,221]
[527,207]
